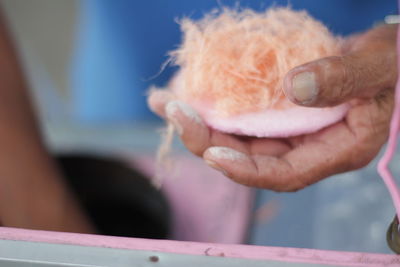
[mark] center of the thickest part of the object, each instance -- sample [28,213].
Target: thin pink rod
[383,165]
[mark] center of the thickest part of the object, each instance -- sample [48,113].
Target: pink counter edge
[299,255]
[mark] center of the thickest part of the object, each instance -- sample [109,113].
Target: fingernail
[177,125]
[220,152]
[304,87]
[156,95]
[189,112]
[215,166]
[171,109]
[176,106]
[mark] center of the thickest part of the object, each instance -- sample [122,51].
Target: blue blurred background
[122,44]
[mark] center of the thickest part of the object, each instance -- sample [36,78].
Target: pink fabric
[206,249]
[206,206]
[383,168]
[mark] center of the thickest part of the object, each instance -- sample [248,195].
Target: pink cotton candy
[232,65]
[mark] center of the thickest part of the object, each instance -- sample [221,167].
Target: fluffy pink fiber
[232,65]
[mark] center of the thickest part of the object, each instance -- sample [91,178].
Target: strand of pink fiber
[383,165]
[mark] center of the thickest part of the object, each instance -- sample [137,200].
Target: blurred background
[89,64]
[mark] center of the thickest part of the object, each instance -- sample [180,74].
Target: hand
[364,76]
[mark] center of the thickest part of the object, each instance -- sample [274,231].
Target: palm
[289,164]
[293,163]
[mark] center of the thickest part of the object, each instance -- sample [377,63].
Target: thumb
[330,81]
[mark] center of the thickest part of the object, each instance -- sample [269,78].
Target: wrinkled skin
[365,76]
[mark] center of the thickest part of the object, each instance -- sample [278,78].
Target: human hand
[364,76]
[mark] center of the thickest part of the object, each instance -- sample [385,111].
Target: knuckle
[336,80]
[363,152]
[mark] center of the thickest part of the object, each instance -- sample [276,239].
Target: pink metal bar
[338,258]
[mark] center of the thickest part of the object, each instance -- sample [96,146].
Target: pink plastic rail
[383,166]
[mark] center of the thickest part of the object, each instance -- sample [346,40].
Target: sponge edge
[278,123]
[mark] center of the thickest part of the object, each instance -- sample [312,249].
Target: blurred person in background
[33,193]
[120,46]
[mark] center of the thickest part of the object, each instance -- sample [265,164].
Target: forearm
[32,192]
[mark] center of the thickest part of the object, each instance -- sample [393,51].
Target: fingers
[345,146]
[192,130]
[252,170]
[265,171]
[295,170]
[194,133]
[370,122]
[158,99]
[265,163]
[368,67]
